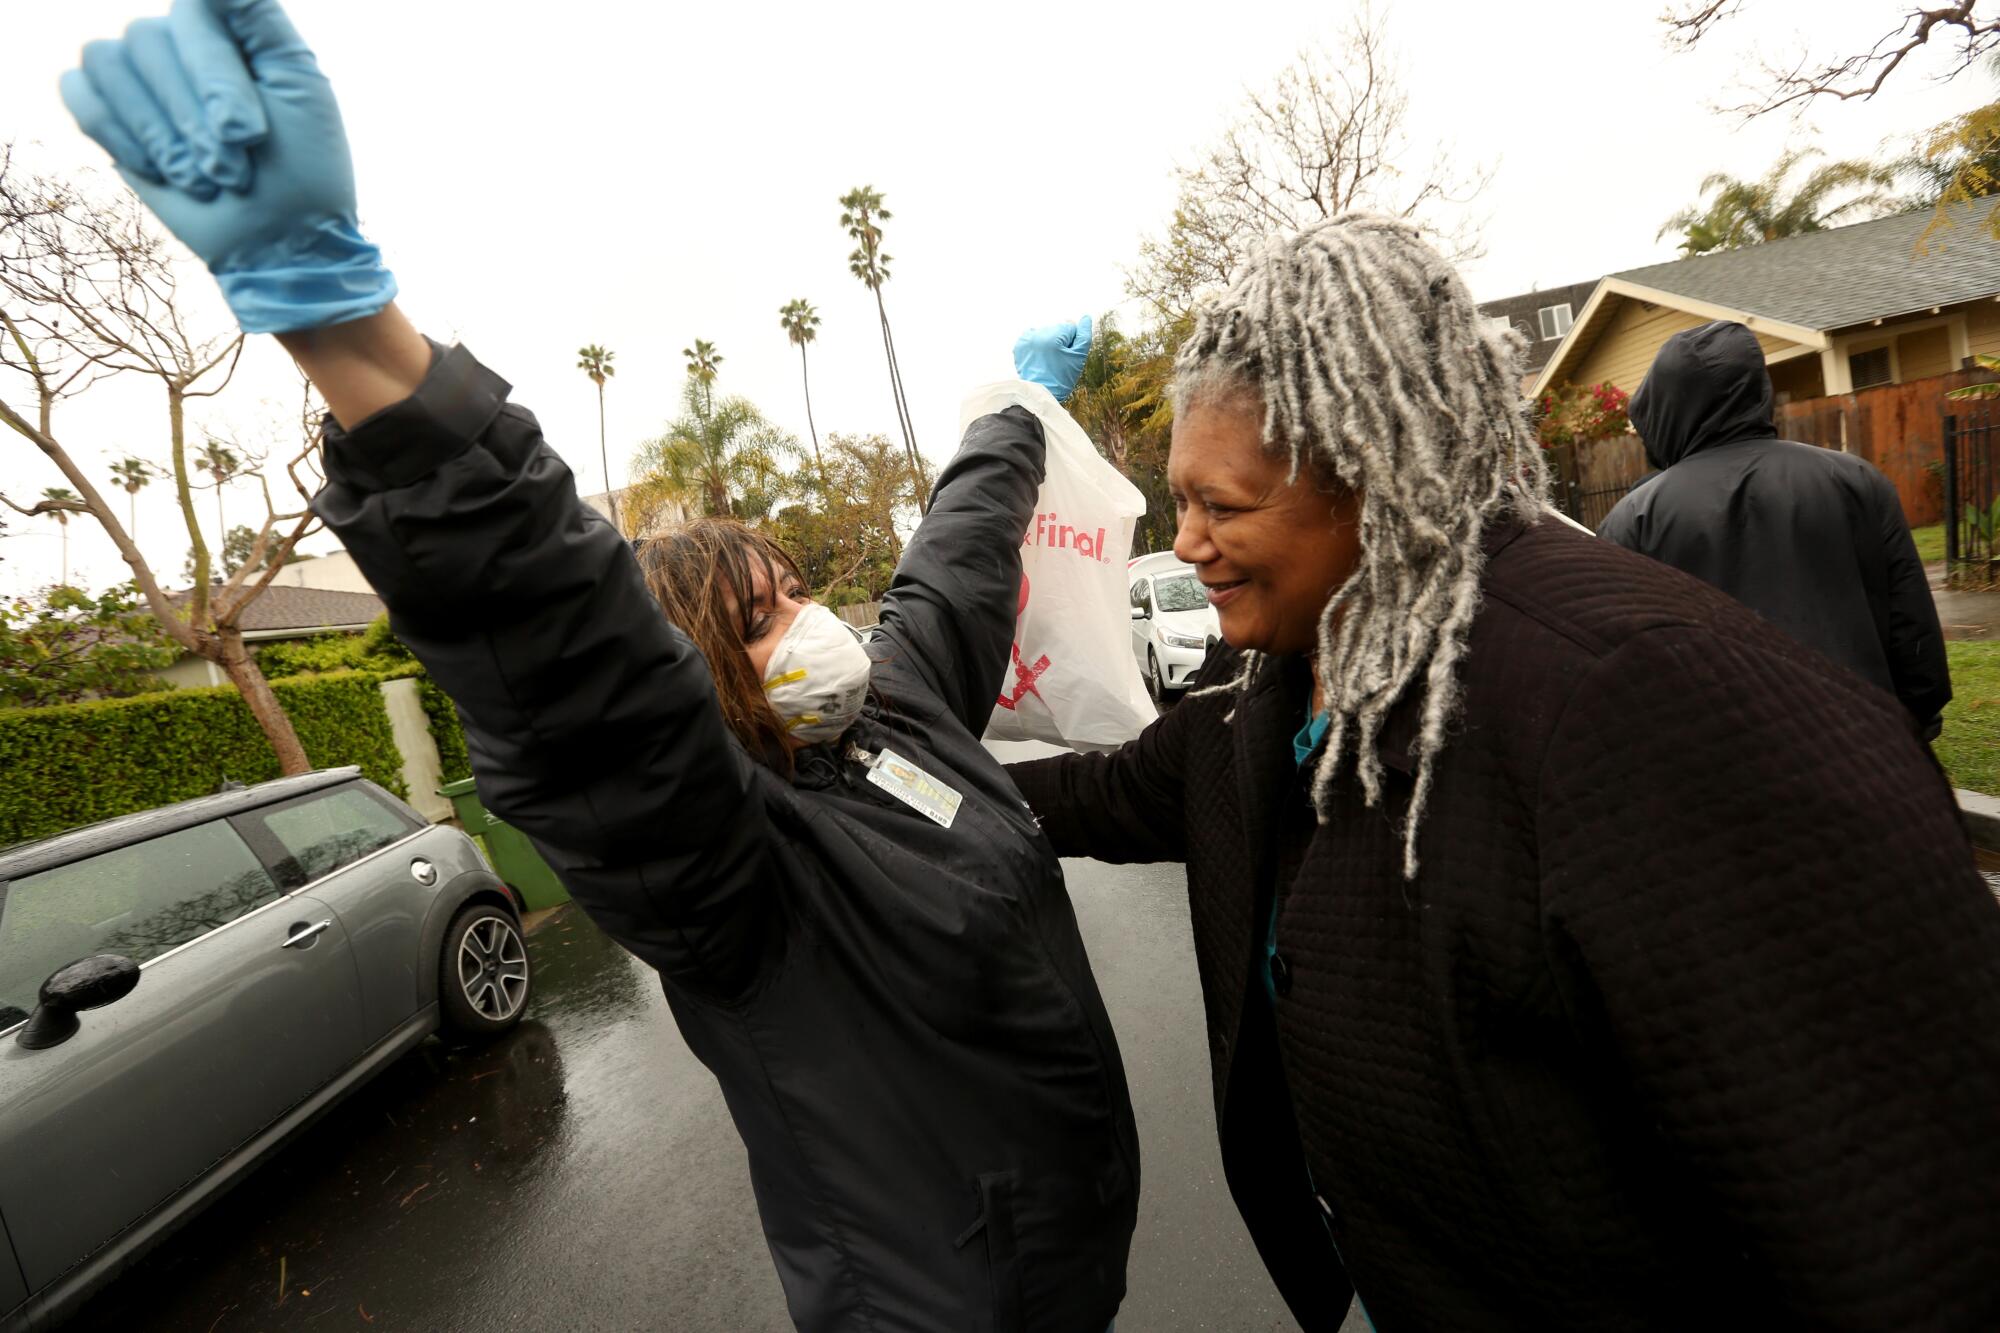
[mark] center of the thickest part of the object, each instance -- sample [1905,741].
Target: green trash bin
[514,858]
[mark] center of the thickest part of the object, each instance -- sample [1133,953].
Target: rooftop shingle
[1849,275]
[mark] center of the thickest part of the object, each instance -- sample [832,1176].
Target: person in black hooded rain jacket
[1812,540]
[883,971]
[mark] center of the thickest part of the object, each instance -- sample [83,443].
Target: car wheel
[1154,685]
[484,976]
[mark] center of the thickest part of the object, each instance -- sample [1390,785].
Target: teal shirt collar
[1309,737]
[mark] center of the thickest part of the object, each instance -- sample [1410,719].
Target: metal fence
[1971,491]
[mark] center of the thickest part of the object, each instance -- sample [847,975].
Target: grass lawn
[1930,543]
[1970,746]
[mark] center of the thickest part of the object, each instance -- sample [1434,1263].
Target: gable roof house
[282,612]
[1835,311]
[1844,316]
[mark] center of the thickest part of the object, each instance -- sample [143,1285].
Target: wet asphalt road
[582,1173]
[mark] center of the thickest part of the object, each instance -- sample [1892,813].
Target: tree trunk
[902,415]
[241,668]
[184,492]
[604,458]
[805,378]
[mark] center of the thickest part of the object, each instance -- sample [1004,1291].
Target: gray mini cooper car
[181,990]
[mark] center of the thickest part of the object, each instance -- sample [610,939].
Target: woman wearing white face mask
[858,924]
[860,929]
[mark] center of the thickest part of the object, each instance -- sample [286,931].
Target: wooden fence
[1591,476]
[1897,427]
[860,614]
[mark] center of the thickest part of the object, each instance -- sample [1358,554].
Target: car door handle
[303,935]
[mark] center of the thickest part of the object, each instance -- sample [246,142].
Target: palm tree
[1749,212]
[62,521]
[801,324]
[702,360]
[861,216]
[713,457]
[133,474]
[221,463]
[595,362]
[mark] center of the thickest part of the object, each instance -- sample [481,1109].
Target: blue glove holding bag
[220,120]
[1053,357]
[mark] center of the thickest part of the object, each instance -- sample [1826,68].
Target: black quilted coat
[1691,1019]
[901,1016]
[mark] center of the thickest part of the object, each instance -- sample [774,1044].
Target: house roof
[280,609]
[1520,312]
[1847,275]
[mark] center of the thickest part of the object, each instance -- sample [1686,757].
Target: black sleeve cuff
[407,441]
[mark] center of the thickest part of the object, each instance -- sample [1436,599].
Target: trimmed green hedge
[453,760]
[79,763]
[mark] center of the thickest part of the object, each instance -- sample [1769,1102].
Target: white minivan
[1172,623]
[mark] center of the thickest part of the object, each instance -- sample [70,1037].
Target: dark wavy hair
[702,574]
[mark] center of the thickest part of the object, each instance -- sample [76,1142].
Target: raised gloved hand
[219,119]
[1053,357]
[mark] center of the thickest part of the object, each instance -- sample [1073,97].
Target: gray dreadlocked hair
[1375,370]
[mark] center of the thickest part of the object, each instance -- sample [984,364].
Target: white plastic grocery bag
[1071,679]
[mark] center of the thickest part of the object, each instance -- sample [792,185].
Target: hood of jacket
[1707,388]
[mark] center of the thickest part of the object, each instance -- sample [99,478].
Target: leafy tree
[1740,212]
[716,458]
[1326,136]
[595,362]
[88,289]
[801,324]
[1956,163]
[849,543]
[702,363]
[1122,403]
[862,216]
[64,645]
[133,474]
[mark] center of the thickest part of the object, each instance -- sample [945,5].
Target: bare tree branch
[1328,136]
[1856,77]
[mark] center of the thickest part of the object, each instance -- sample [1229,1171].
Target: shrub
[376,649]
[454,762]
[78,763]
[1578,412]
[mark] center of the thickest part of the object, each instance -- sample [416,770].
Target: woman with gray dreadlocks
[1578,951]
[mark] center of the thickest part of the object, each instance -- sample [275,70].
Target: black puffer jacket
[1812,540]
[901,1016]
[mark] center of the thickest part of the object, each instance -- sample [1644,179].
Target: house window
[1869,368]
[1496,323]
[1555,320]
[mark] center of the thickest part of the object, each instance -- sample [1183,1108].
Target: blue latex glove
[219,119]
[1053,357]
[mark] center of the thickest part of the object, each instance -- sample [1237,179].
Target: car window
[1180,592]
[320,833]
[139,901]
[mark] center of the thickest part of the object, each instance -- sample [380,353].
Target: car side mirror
[1141,613]
[89,983]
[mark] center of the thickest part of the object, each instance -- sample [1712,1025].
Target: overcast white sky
[545,175]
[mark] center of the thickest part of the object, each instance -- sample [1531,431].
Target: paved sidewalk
[1964,615]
